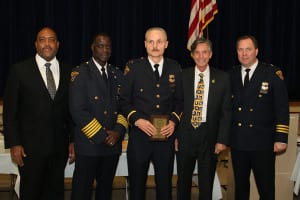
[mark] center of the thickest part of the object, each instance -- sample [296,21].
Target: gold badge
[280,74]
[73,75]
[264,88]
[126,70]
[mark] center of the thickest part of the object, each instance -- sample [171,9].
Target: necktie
[198,103]
[246,79]
[50,81]
[156,73]
[104,76]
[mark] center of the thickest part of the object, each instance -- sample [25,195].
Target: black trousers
[42,177]
[91,168]
[161,154]
[194,148]
[262,163]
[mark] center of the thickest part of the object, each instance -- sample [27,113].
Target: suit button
[240,108]
[157,106]
[96,97]
[259,96]
[105,112]
[250,125]
[157,85]
[157,96]
[115,113]
[141,90]
[239,124]
[251,109]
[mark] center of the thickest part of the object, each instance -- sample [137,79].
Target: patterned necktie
[198,103]
[50,81]
[104,76]
[246,78]
[156,73]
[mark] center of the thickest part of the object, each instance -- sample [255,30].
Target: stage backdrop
[274,23]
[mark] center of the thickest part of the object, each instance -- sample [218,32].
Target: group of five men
[196,112]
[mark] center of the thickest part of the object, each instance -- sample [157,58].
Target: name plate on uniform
[159,121]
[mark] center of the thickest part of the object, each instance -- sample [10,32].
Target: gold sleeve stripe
[130,114]
[91,128]
[121,120]
[174,113]
[282,128]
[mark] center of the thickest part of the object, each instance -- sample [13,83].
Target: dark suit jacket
[31,117]
[218,108]
[94,105]
[260,111]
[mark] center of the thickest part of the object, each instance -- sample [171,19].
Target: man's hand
[279,147]
[146,127]
[112,137]
[168,129]
[219,148]
[71,153]
[17,153]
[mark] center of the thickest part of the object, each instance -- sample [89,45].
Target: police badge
[264,88]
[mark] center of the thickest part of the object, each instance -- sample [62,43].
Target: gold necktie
[198,103]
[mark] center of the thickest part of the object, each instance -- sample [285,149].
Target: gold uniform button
[239,124]
[141,90]
[115,113]
[157,106]
[96,97]
[251,109]
[250,125]
[157,85]
[157,96]
[259,96]
[240,109]
[105,112]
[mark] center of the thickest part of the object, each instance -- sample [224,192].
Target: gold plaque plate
[159,121]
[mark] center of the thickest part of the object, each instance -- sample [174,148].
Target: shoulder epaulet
[130,62]
[74,73]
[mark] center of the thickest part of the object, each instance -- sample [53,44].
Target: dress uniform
[141,97]
[260,118]
[94,108]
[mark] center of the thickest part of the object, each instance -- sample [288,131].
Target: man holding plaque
[151,100]
[205,124]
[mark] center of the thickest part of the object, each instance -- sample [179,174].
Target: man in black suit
[37,122]
[260,122]
[202,140]
[147,92]
[99,127]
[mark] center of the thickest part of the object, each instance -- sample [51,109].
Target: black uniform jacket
[261,110]
[142,96]
[94,109]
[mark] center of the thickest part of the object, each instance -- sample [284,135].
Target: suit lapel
[189,90]
[35,76]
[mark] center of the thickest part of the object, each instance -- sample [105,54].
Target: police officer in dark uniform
[148,92]
[260,122]
[99,127]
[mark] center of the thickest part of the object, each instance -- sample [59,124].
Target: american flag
[202,13]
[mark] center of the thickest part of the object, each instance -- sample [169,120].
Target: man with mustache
[37,121]
[153,87]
